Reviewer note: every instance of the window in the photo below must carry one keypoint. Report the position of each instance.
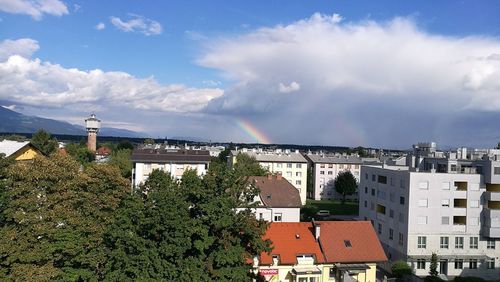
(474, 242)
(298, 182)
(445, 220)
(322, 165)
(298, 165)
(261, 216)
(459, 242)
(391, 213)
(423, 185)
(391, 197)
(490, 244)
(459, 263)
(445, 203)
(420, 263)
(298, 174)
(366, 175)
(366, 190)
(322, 172)
(453, 167)
(330, 172)
(496, 170)
(289, 165)
(401, 218)
(330, 165)
(373, 177)
(277, 217)
(382, 179)
(443, 243)
(401, 239)
(391, 234)
(289, 174)
(366, 204)
(422, 220)
(372, 206)
(490, 263)
(474, 204)
(379, 228)
(373, 192)
(422, 242)
(473, 264)
(278, 165)
(402, 200)
(347, 244)
(422, 203)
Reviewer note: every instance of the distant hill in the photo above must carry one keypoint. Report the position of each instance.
(14, 122)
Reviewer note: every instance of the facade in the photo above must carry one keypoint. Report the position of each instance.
(173, 161)
(18, 151)
(320, 252)
(443, 203)
(290, 164)
(325, 168)
(278, 200)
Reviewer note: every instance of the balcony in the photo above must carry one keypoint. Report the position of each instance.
(459, 211)
(491, 223)
(460, 203)
(492, 195)
(459, 223)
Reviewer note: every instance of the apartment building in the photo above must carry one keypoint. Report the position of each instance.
(169, 159)
(290, 164)
(447, 203)
(324, 170)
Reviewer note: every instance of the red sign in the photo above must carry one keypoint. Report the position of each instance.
(268, 271)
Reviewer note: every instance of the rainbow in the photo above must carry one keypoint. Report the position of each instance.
(253, 132)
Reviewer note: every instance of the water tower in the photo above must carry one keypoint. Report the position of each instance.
(92, 124)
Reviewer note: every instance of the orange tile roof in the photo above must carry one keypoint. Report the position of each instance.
(286, 244)
(365, 246)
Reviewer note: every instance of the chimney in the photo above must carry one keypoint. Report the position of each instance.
(317, 230)
(269, 176)
(278, 176)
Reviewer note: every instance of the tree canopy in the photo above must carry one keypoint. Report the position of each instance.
(345, 184)
(44, 142)
(248, 166)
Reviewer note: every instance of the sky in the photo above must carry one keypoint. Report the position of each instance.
(348, 73)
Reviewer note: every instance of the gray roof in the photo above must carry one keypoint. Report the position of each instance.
(170, 156)
(8, 147)
(274, 157)
(326, 159)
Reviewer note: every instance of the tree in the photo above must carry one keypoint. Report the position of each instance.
(44, 142)
(121, 159)
(57, 215)
(400, 269)
(345, 184)
(149, 141)
(248, 166)
(434, 263)
(80, 153)
(124, 145)
(4, 166)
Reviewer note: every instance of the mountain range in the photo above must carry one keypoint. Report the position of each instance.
(14, 122)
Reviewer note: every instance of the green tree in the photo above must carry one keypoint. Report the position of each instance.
(434, 264)
(248, 166)
(13, 137)
(400, 269)
(4, 166)
(80, 153)
(149, 141)
(57, 215)
(121, 159)
(44, 142)
(345, 184)
(125, 144)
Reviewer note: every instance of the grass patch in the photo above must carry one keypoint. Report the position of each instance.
(334, 206)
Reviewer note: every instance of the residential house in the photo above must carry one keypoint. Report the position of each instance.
(19, 151)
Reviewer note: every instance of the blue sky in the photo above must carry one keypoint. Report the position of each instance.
(196, 68)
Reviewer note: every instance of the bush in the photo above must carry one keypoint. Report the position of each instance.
(433, 279)
(469, 279)
(400, 269)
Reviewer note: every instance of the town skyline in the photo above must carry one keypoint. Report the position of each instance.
(306, 73)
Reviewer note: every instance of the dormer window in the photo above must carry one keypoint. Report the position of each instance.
(347, 243)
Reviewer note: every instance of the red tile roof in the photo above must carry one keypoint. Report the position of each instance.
(287, 245)
(276, 192)
(365, 246)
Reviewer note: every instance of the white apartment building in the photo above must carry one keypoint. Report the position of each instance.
(453, 211)
(325, 169)
(290, 164)
(169, 159)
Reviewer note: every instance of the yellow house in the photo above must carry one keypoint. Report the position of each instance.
(327, 251)
(19, 151)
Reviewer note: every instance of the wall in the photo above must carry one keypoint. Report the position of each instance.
(26, 153)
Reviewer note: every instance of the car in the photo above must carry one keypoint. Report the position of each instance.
(323, 213)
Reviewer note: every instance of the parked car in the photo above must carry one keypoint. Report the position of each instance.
(323, 213)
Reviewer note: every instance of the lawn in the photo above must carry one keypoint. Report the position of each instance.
(334, 206)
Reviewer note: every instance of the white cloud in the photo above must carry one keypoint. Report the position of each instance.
(34, 8)
(138, 23)
(11, 107)
(369, 75)
(100, 26)
(294, 86)
(24, 47)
